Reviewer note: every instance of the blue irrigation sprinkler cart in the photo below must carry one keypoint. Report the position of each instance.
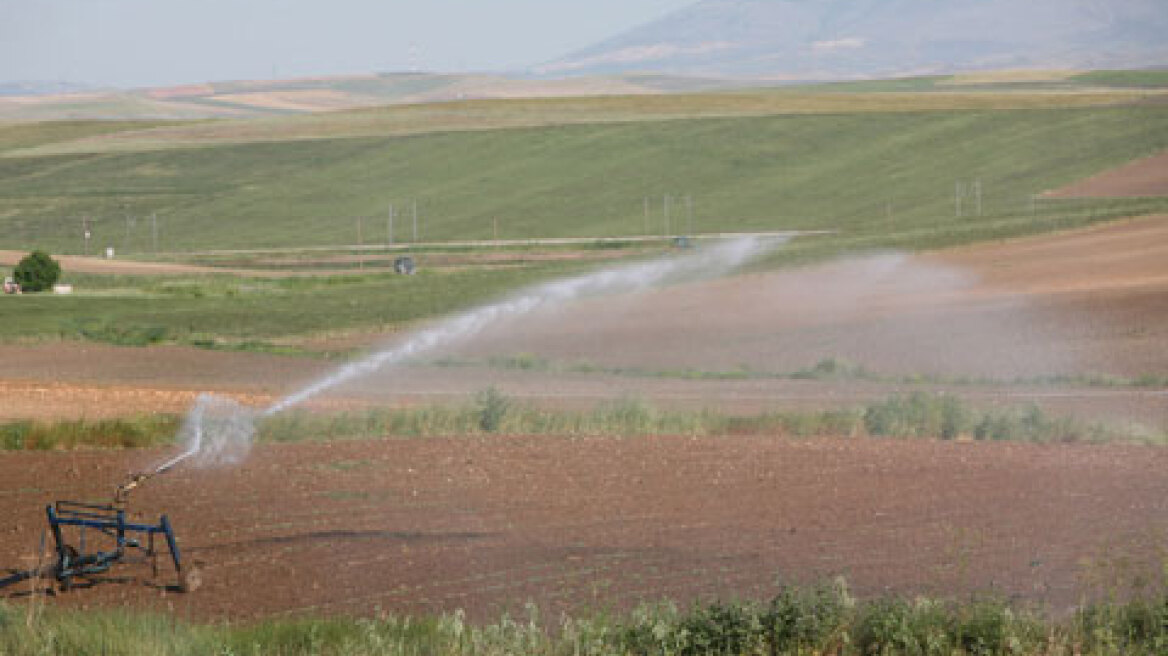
(103, 537)
(108, 524)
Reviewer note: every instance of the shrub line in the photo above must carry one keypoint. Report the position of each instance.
(917, 416)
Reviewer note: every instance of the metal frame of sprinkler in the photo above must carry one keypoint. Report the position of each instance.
(131, 541)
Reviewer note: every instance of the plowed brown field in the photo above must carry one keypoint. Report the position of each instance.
(487, 524)
(589, 524)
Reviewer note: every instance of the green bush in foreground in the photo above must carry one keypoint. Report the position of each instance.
(822, 619)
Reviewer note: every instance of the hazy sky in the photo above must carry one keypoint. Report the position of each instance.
(157, 42)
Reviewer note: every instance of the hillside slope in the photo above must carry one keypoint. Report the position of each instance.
(888, 178)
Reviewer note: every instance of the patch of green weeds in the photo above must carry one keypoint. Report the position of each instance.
(821, 619)
(144, 431)
(829, 369)
(116, 333)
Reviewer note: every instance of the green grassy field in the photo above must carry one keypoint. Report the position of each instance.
(884, 177)
(254, 314)
(1148, 79)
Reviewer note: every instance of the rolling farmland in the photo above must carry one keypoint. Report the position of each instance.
(958, 390)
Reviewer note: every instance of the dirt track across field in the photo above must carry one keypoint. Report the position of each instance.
(583, 525)
(83, 264)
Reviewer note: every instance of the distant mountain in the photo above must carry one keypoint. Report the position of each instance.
(840, 39)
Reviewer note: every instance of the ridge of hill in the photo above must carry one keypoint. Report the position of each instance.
(849, 39)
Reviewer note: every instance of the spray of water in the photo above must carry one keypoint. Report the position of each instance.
(220, 431)
(217, 431)
(709, 262)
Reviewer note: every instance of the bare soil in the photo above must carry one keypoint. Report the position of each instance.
(1141, 178)
(582, 525)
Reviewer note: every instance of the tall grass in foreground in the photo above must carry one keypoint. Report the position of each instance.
(822, 619)
(917, 415)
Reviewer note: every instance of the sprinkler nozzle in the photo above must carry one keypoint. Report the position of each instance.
(123, 492)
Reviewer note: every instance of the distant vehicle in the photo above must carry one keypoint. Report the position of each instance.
(404, 265)
(11, 286)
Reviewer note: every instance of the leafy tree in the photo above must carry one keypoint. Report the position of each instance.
(36, 272)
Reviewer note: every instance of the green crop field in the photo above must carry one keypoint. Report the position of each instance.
(888, 177)
(253, 314)
(1150, 78)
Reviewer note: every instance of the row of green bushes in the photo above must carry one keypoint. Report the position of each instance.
(821, 619)
(830, 369)
(917, 415)
(948, 417)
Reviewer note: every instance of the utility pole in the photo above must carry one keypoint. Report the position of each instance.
(689, 214)
(665, 209)
(154, 230)
(126, 239)
(415, 220)
(389, 227)
(977, 192)
(360, 244)
(957, 198)
(646, 232)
